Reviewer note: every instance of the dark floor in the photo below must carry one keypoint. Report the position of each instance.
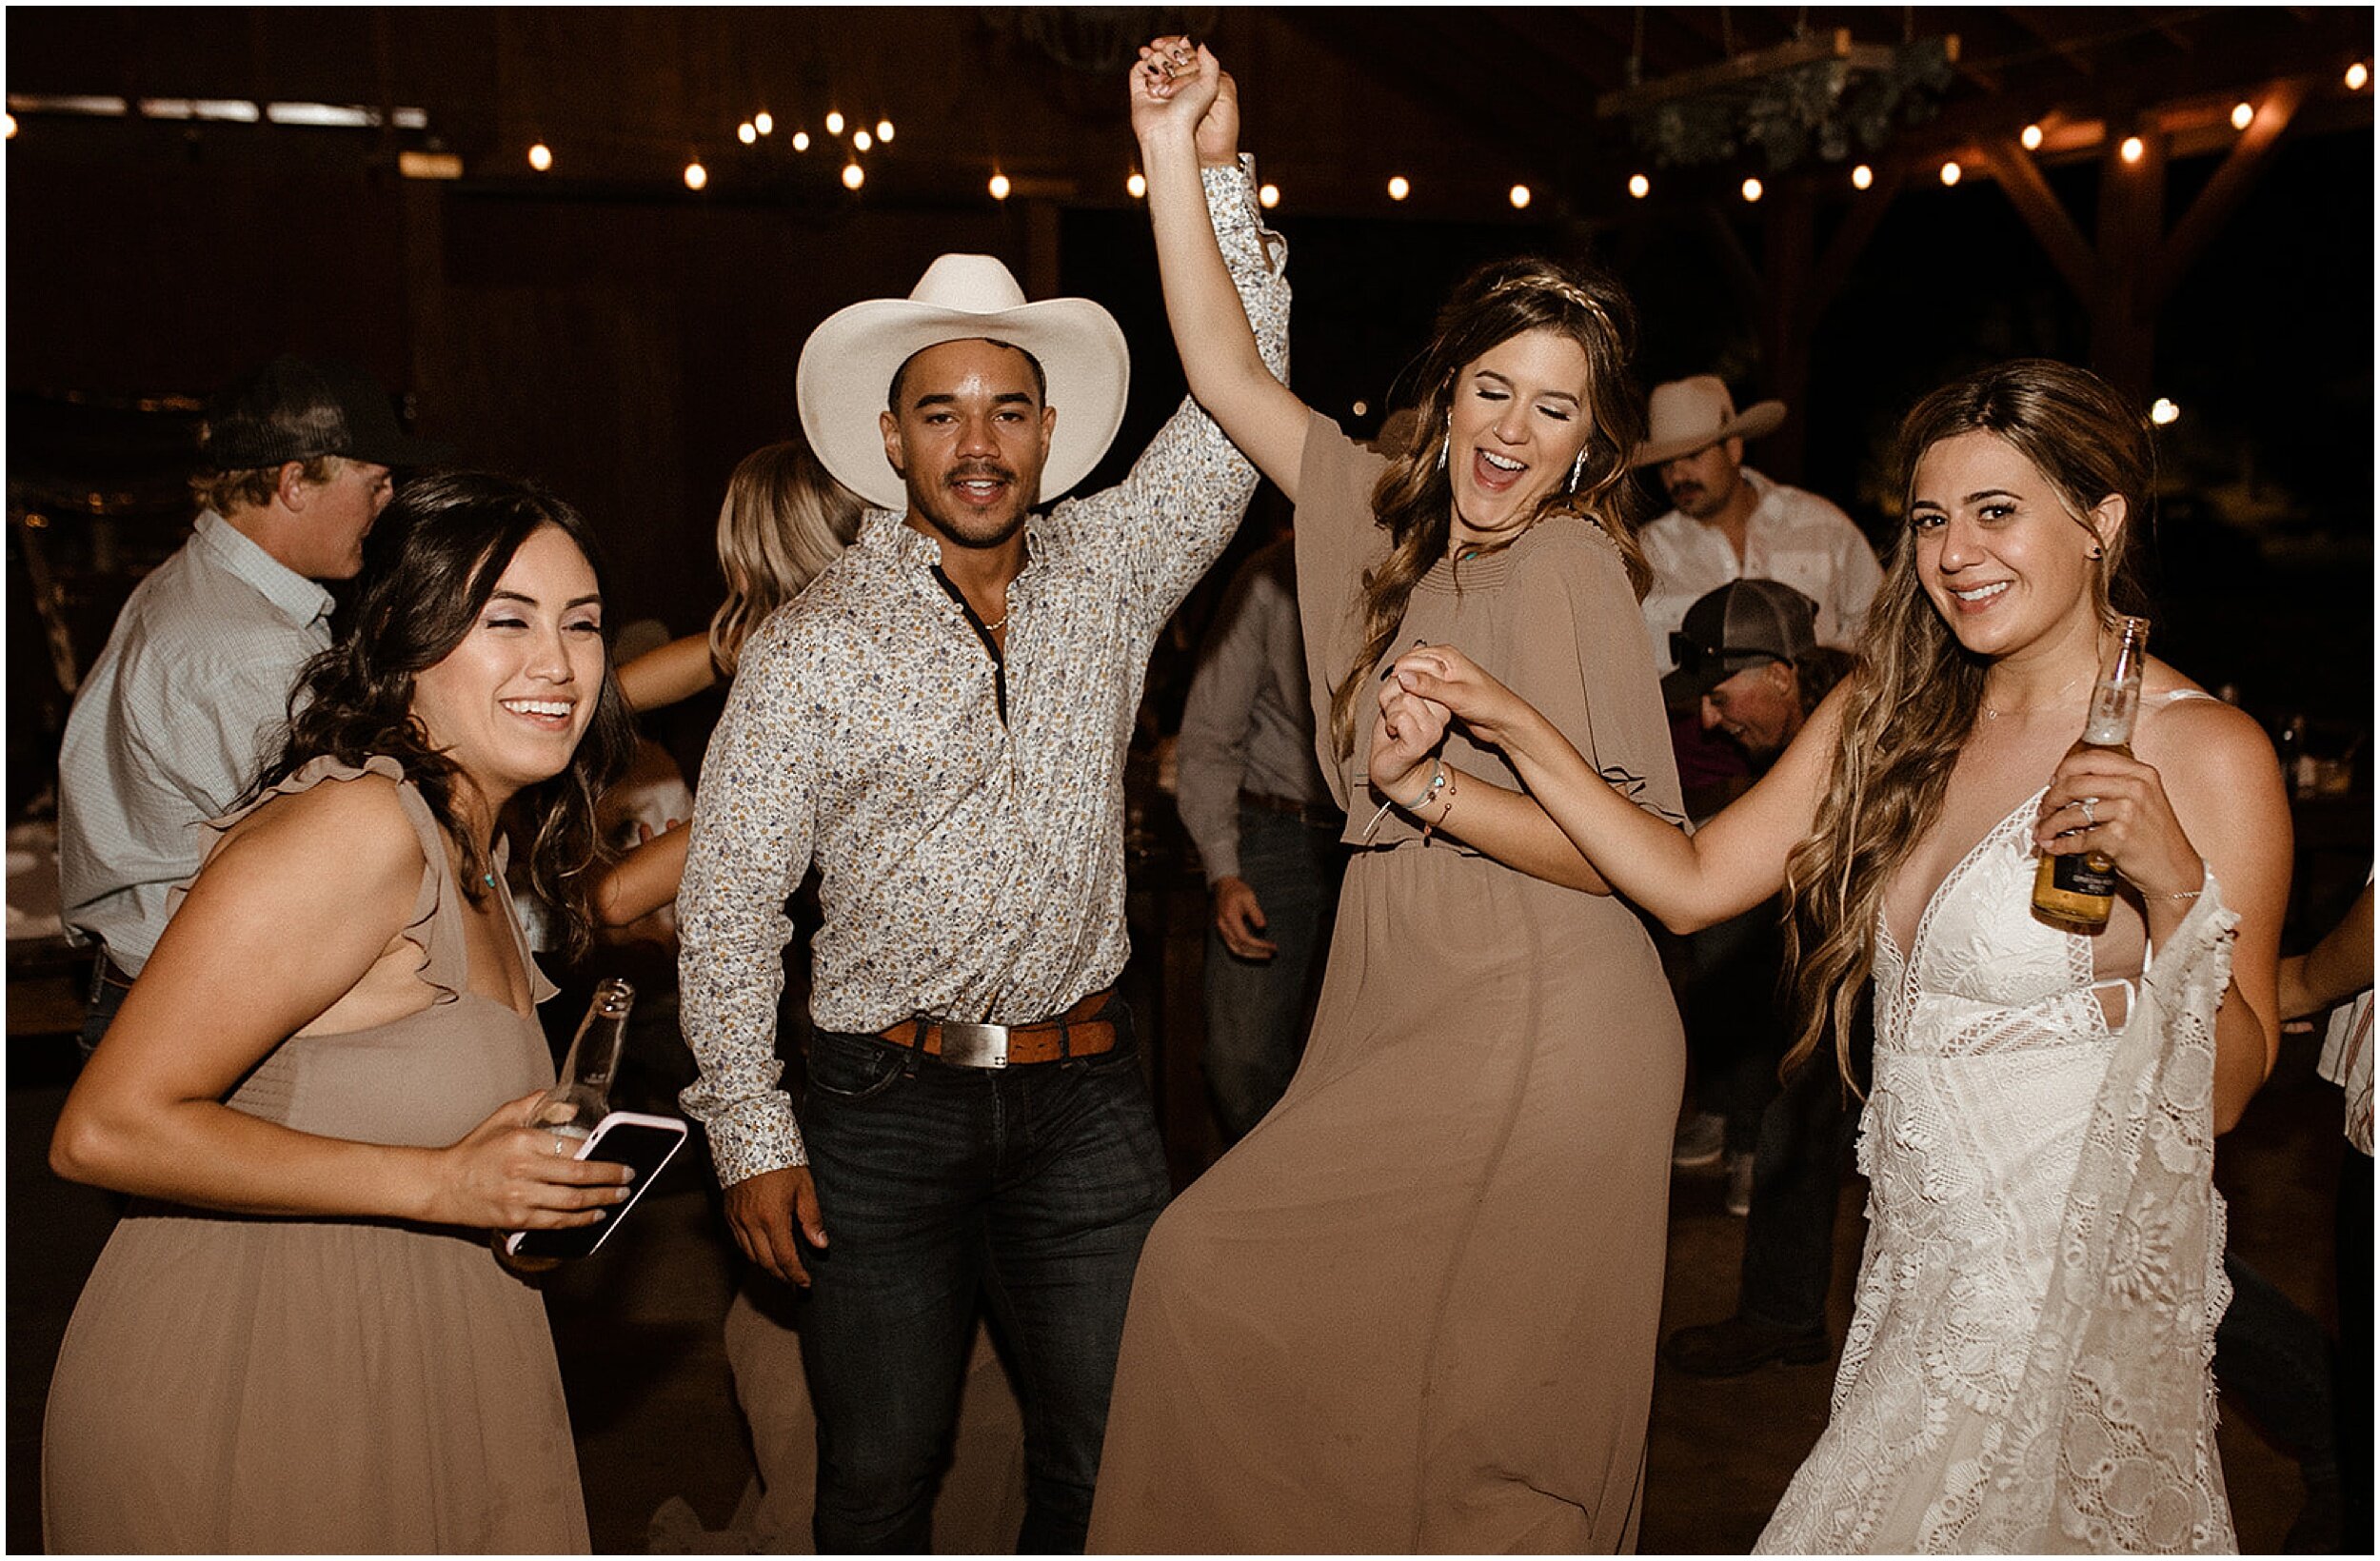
(638, 1327)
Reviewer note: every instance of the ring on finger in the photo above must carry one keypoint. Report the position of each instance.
(2091, 820)
(558, 1146)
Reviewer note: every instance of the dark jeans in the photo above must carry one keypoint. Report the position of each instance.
(1254, 1006)
(1031, 1186)
(2273, 1361)
(2354, 1398)
(1735, 1025)
(100, 1004)
(1797, 1183)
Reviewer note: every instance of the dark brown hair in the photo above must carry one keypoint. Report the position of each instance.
(448, 541)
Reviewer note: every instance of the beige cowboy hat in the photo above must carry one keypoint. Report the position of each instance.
(847, 367)
(1692, 414)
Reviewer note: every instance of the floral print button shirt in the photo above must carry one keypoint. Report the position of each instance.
(969, 867)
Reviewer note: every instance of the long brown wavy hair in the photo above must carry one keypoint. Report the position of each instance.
(1414, 500)
(1914, 699)
(784, 520)
(442, 545)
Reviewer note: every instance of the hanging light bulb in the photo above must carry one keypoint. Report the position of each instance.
(1950, 171)
(1862, 176)
(802, 141)
(885, 130)
(2133, 149)
(11, 122)
(541, 156)
(863, 140)
(2031, 138)
(1399, 189)
(2242, 117)
(1519, 195)
(1752, 190)
(696, 176)
(853, 176)
(2162, 413)
(2356, 76)
(1135, 185)
(1268, 197)
(1000, 187)
(762, 123)
(834, 123)
(1639, 186)
(745, 133)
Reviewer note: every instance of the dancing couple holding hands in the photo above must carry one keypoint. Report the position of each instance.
(1414, 1308)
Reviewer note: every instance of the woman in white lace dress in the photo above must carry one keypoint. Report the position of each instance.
(2027, 1368)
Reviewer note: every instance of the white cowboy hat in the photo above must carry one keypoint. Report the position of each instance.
(847, 366)
(1693, 414)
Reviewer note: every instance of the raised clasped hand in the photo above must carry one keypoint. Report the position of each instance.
(2100, 800)
(1177, 80)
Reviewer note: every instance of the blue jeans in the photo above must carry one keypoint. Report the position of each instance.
(100, 1004)
(1254, 1006)
(1031, 1187)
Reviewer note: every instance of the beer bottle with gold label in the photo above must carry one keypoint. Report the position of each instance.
(2077, 892)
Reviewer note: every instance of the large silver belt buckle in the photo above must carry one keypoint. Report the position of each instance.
(975, 1046)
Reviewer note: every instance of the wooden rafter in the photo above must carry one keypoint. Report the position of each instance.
(2230, 186)
(2038, 206)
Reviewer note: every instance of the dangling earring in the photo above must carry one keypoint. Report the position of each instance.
(1577, 468)
(1447, 443)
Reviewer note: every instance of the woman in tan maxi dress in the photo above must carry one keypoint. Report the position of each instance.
(319, 1093)
(1415, 1310)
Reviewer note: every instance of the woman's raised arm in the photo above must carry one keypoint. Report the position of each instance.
(1725, 868)
(1185, 113)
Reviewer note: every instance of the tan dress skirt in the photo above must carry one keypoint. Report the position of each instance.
(1415, 1309)
(234, 1384)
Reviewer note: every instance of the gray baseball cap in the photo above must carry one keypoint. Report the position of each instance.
(1742, 624)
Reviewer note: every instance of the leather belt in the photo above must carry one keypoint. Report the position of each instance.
(1077, 1031)
(1317, 814)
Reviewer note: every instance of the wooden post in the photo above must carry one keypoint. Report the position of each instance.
(2132, 232)
(1789, 314)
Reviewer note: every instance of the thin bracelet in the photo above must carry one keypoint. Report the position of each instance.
(2186, 894)
(1429, 793)
(1427, 830)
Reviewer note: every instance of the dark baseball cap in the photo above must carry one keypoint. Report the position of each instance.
(1742, 624)
(296, 408)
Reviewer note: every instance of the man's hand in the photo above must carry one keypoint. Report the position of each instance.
(1239, 918)
(762, 1210)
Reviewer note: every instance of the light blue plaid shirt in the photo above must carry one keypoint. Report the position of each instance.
(172, 725)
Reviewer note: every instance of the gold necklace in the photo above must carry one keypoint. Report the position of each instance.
(1989, 714)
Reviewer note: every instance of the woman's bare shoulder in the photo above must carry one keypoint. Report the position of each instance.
(345, 836)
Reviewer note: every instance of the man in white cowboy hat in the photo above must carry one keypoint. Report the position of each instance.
(937, 724)
(1733, 523)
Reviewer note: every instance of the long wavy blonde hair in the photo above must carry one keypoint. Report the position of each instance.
(1914, 699)
(1414, 500)
(784, 520)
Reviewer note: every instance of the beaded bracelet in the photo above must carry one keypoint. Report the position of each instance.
(1429, 793)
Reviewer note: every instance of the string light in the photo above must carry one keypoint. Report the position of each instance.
(1135, 185)
(541, 156)
(863, 140)
(1639, 186)
(853, 176)
(2356, 76)
(1862, 176)
(885, 130)
(762, 123)
(834, 123)
(745, 133)
(802, 141)
(11, 125)
(1520, 197)
(1951, 170)
(696, 176)
(2162, 413)
(2133, 149)
(1360, 408)
(1268, 197)
(2242, 117)
(1399, 189)
(1752, 190)
(2031, 137)
(1000, 187)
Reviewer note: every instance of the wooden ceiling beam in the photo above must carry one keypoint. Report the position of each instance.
(2230, 186)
